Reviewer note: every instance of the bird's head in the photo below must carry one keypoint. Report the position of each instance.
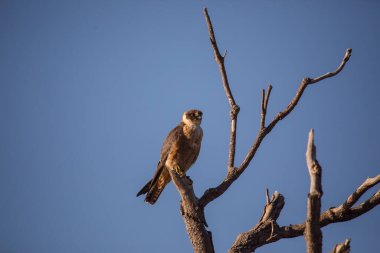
(192, 117)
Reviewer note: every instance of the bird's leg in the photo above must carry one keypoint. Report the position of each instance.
(178, 170)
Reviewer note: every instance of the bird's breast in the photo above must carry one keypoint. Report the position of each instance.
(192, 134)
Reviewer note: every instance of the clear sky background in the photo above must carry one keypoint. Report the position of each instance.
(89, 90)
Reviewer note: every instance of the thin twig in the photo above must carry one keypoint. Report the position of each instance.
(263, 112)
(225, 54)
(341, 66)
(264, 106)
(219, 59)
(234, 108)
(267, 96)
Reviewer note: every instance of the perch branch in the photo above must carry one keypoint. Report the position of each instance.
(193, 215)
(313, 233)
(234, 108)
(254, 238)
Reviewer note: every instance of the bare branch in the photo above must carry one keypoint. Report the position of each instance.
(262, 235)
(265, 228)
(225, 54)
(263, 112)
(311, 152)
(193, 215)
(343, 247)
(354, 197)
(268, 220)
(338, 214)
(273, 208)
(217, 191)
(267, 196)
(264, 106)
(234, 108)
(219, 59)
(267, 97)
(305, 82)
(313, 234)
(341, 66)
(233, 174)
(314, 168)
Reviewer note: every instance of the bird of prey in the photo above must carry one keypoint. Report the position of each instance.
(179, 151)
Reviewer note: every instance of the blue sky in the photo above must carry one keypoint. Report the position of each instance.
(89, 90)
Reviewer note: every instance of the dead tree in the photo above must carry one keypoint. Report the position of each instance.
(267, 230)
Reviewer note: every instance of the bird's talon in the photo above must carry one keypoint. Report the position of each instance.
(179, 171)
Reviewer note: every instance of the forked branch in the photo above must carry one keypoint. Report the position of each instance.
(234, 173)
(265, 228)
(263, 234)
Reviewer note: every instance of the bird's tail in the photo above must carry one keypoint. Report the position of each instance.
(154, 193)
(155, 186)
(145, 189)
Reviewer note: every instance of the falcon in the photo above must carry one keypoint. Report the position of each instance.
(179, 151)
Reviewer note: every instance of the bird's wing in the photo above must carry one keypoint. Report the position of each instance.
(172, 137)
(159, 169)
(148, 186)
